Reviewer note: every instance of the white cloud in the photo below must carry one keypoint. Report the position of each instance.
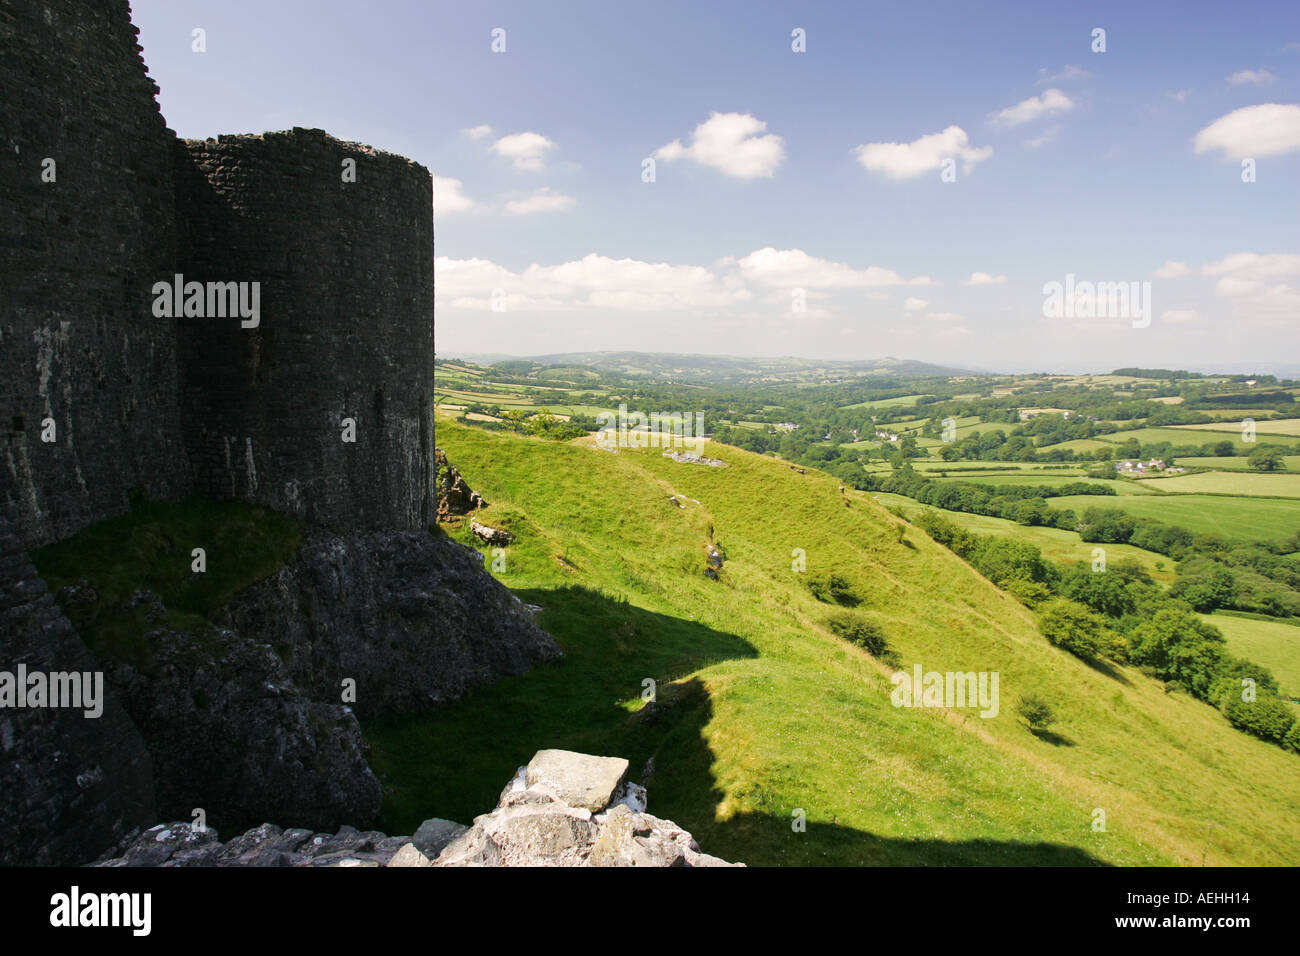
(1255, 284)
(542, 200)
(448, 197)
(1048, 103)
(1181, 317)
(1269, 129)
(1254, 266)
(908, 160)
(1071, 72)
(1258, 77)
(983, 278)
(731, 144)
(1049, 134)
(795, 269)
(526, 150)
(593, 282)
(1179, 95)
(1172, 270)
(477, 132)
(943, 316)
(915, 305)
(725, 289)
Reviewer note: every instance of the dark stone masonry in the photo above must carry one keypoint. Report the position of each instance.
(342, 255)
(79, 343)
(345, 328)
(318, 403)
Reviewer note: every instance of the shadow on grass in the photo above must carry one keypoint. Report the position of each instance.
(1050, 737)
(453, 761)
(1106, 669)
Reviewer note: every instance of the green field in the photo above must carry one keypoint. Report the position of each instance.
(1234, 463)
(1082, 444)
(1179, 435)
(887, 402)
(1274, 644)
(763, 712)
(1121, 487)
(1230, 483)
(1286, 427)
(1237, 519)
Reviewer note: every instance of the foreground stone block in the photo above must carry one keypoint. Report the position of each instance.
(580, 780)
(531, 826)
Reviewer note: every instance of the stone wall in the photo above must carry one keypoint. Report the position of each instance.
(78, 256)
(345, 272)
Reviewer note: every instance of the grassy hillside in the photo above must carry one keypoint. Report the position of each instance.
(762, 712)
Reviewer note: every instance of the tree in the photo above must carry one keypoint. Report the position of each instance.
(1267, 458)
(1178, 645)
(1037, 712)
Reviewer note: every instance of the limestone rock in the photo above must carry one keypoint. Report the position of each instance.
(497, 536)
(580, 780)
(532, 825)
(409, 856)
(455, 496)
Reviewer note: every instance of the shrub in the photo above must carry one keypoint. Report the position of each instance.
(1037, 712)
(1267, 717)
(833, 589)
(1075, 628)
(856, 629)
(1028, 593)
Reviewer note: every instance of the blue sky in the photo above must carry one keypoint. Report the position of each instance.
(780, 221)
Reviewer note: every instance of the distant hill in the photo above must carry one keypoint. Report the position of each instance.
(727, 368)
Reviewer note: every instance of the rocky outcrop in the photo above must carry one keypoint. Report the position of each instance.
(67, 780)
(455, 496)
(182, 844)
(494, 536)
(230, 732)
(412, 619)
(534, 824)
(690, 458)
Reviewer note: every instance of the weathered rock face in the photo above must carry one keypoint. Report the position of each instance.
(532, 825)
(67, 781)
(412, 618)
(455, 496)
(230, 732)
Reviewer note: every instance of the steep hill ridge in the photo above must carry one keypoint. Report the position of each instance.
(793, 718)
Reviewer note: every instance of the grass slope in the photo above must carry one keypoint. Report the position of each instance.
(763, 713)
